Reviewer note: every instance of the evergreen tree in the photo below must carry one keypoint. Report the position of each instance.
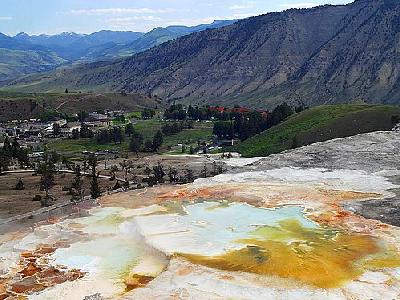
(158, 140)
(148, 146)
(148, 113)
(126, 185)
(85, 131)
(204, 172)
(15, 148)
(136, 143)
(4, 161)
(75, 134)
(189, 175)
(103, 137)
(20, 185)
(129, 129)
(113, 171)
(77, 185)
(126, 166)
(23, 158)
(173, 175)
(159, 173)
(47, 170)
(56, 129)
(82, 116)
(147, 171)
(7, 148)
(116, 134)
(94, 184)
(191, 150)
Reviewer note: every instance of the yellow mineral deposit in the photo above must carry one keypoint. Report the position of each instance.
(279, 226)
(323, 258)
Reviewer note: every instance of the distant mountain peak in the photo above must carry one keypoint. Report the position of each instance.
(22, 34)
(72, 47)
(3, 35)
(66, 33)
(322, 55)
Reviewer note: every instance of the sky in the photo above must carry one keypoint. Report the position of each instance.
(87, 16)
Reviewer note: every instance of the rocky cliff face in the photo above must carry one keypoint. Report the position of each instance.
(321, 55)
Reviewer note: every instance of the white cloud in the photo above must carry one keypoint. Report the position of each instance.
(135, 18)
(119, 11)
(127, 23)
(243, 5)
(6, 18)
(299, 5)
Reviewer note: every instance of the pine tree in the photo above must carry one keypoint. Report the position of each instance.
(172, 174)
(94, 184)
(7, 148)
(204, 171)
(148, 146)
(4, 161)
(117, 135)
(136, 143)
(23, 158)
(159, 173)
(82, 116)
(77, 185)
(189, 175)
(158, 140)
(126, 166)
(20, 185)
(15, 148)
(129, 130)
(113, 171)
(56, 129)
(47, 170)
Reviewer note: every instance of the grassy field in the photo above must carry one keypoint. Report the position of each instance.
(201, 131)
(320, 124)
(74, 148)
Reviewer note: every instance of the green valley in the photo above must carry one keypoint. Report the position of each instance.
(319, 124)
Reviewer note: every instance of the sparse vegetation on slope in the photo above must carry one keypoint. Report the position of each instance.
(26, 106)
(324, 55)
(320, 124)
(16, 63)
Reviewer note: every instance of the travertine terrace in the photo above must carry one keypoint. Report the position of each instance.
(316, 222)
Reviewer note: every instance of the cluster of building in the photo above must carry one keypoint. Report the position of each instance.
(34, 132)
(240, 110)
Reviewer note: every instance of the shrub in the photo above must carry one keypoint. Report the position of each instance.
(37, 198)
(20, 186)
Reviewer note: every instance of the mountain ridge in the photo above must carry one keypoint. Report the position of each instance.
(326, 54)
(71, 48)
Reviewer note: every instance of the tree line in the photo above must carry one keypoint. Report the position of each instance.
(171, 128)
(11, 151)
(246, 125)
(118, 134)
(47, 170)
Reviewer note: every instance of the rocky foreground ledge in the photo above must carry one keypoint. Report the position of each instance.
(372, 153)
(318, 222)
